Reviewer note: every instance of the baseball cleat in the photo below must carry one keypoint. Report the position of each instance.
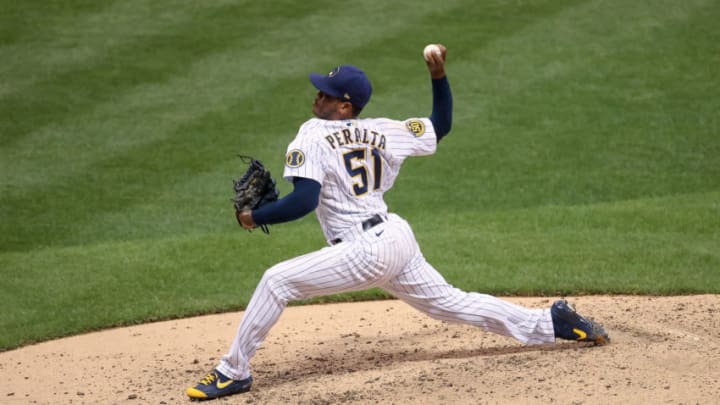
(216, 385)
(570, 325)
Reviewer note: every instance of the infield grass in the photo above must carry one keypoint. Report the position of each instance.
(584, 157)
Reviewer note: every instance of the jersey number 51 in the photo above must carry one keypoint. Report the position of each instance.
(356, 164)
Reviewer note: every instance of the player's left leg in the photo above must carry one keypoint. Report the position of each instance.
(424, 288)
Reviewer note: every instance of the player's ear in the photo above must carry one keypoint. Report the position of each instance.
(346, 109)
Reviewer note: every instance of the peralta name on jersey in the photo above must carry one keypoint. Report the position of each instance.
(362, 136)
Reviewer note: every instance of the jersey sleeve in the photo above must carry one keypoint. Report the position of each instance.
(411, 137)
(422, 133)
(305, 157)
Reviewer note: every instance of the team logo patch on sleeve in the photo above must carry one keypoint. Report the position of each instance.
(295, 158)
(417, 127)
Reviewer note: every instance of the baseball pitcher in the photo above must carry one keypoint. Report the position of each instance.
(340, 166)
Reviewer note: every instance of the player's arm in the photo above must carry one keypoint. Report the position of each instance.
(300, 202)
(441, 116)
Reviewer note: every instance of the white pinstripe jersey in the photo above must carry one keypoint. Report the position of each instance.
(355, 161)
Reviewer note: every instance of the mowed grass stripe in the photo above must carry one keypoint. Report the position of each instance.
(469, 31)
(665, 245)
(592, 39)
(576, 126)
(123, 46)
(65, 290)
(39, 43)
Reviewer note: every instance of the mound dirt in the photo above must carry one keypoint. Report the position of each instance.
(663, 350)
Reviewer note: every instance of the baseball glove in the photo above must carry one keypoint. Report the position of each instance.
(254, 189)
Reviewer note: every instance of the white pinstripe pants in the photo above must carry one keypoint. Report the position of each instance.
(385, 256)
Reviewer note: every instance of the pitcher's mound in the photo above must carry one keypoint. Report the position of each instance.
(663, 350)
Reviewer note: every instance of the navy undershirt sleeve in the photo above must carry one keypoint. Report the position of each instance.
(441, 116)
(300, 202)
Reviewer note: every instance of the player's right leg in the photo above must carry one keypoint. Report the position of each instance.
(424, 288)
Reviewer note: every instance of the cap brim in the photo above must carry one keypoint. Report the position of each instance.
(321, 83)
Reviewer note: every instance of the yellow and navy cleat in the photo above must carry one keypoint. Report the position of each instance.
(216, 385)
(570, 325)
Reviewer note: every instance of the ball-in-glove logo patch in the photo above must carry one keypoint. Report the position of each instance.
(295, 158)
(416, 127)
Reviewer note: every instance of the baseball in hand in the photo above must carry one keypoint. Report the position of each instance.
(430, 50)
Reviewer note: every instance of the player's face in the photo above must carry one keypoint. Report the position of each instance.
(331, 108)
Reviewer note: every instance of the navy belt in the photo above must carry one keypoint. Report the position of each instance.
(366, 224)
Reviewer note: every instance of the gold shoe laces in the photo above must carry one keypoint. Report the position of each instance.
(208, 380)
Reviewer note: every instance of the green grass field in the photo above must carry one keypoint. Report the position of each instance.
(584, 157)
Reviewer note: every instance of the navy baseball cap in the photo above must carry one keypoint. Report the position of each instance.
(345, 82)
